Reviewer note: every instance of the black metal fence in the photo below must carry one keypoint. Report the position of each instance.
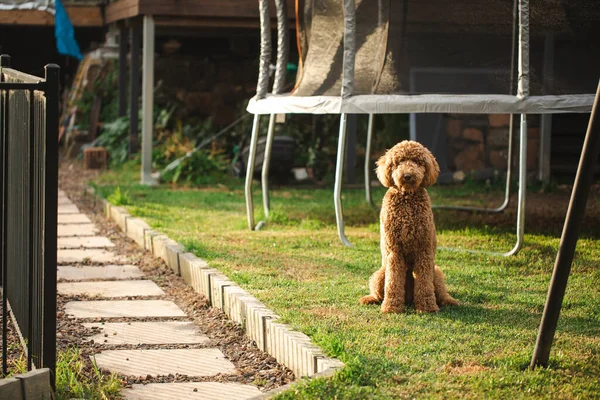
(28, 221)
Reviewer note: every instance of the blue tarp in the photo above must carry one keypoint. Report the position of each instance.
(65, 35)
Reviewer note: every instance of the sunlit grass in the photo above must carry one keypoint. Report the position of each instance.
(482, 348)
(73, 380)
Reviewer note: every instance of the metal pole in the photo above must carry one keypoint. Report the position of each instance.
(148, 101)
(368, 161)
(262, 88)
(265, 49)
(339, 170)
(347, 89)
(522, 92)
(522, 188)
(134, 87)
(4, 59)
(266, 163)
(351, 148)
(282, 46)
(31, 260)
(278, 87)
(349, 48)
(250, 171)
(122, 71)
(50, 219)
(523, 79)
(568, 240)
(4, 63)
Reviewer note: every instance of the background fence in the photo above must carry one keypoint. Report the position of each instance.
(29, 191)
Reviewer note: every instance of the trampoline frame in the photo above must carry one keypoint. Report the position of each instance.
(346, 103)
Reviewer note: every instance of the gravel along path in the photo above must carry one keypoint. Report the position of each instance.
(137, 318)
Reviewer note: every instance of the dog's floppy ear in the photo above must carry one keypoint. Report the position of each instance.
(383, 171)
(432, 169)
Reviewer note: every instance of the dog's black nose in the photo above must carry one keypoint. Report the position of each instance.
(407, 177)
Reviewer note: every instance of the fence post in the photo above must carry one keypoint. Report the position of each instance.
(4, 62)
(51, 217)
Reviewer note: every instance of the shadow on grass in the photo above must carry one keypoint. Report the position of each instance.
(515, 317)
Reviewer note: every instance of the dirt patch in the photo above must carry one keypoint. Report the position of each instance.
(461, 368)
(544, 213)
(330, 312)
(254, 366)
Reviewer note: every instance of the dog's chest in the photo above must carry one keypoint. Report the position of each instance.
(407, 218)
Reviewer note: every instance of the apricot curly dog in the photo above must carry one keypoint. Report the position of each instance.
(408, 240)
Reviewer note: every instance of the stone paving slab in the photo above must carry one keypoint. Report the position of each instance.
(68, 209)
(171, 332)
(191, 362)
(66, 256)
(77, 230)
(191, 391)
(64, 201)
(81, 273)
(73, 219)
(88, 242)
(123, 308)
(110, 289)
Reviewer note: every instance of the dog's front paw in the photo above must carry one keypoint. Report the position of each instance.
(448, 301)
(429, 308)
(392, 308)
(369, 300)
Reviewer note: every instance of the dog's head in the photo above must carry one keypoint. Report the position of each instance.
(407, 166)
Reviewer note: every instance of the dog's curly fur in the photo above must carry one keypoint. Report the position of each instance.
(408, 242)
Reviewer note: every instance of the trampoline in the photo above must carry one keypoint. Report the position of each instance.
(516, 57)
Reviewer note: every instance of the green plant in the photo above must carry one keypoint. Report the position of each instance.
(119, 198)
(76, 380)
(200, 168)
(114, 138)
(172, 144)
(16, 365)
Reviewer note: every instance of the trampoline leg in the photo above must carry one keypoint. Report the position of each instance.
(503, 206)
(250, 171)
(266, 163)
(368, 162)
(337, 191)
(521, 200)
(522, 187)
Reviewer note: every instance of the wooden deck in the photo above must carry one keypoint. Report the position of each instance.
(192, 13)
(81, 16)
(174, 13)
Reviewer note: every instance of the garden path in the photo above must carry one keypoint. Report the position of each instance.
(143, 333)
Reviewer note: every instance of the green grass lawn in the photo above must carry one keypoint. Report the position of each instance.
(482, 348)
(76, 380)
